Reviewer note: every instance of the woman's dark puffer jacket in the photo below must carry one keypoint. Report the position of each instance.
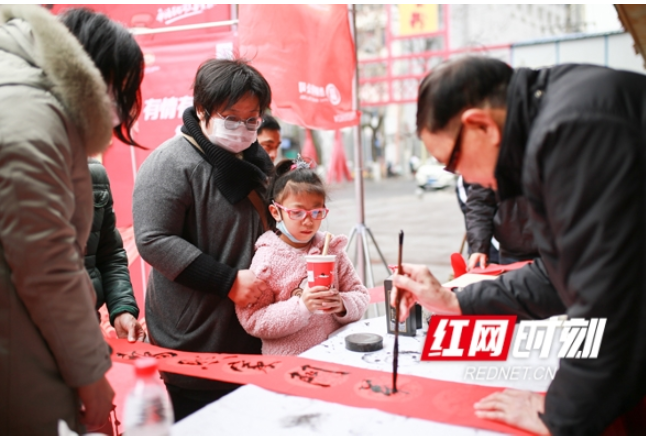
(105, 259)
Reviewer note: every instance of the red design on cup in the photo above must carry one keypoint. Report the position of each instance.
(320, 270)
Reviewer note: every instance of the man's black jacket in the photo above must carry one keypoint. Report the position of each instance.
(574, 143)
(105, 259)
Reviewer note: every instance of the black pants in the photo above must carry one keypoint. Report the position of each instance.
(186, 402)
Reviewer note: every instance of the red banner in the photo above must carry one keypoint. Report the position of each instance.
(306, 53)
(156, 16)
(172, 60)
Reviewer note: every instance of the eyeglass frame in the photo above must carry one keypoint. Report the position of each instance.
(307, 211)
(237, 121)
(452, 163)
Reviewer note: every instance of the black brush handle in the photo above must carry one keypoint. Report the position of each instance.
(397, 301)
(396, 347)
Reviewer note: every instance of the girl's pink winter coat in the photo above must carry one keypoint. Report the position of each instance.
(280, 317)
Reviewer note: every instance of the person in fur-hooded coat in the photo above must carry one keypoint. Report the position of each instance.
(55, 112)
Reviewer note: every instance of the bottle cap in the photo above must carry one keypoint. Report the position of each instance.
(145, 367)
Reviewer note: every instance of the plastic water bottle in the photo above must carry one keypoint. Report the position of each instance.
(147, 409)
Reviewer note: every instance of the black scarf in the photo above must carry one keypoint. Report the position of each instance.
(234, 178)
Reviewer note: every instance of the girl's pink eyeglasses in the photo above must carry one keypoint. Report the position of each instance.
(300, 214)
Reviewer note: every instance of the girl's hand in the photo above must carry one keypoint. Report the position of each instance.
(315, 297)
(334, 303)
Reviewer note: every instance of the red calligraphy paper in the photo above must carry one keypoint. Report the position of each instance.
(419, 397)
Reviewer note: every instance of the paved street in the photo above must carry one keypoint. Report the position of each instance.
(432, 223)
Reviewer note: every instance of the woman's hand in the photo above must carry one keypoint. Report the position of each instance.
(515, 408)
(477, 258)
(417, 284)
(246, 288)
(97, 402)
(127, 326)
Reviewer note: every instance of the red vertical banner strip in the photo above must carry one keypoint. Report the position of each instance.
(309, 63)
(338, 169)
(309, 150)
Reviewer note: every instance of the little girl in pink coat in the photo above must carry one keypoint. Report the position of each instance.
(290, 317)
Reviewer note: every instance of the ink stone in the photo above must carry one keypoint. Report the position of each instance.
(364, 342)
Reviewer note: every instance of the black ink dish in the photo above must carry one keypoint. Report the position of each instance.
(364, 342)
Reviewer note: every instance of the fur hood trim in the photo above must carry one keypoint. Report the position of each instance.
(77, 83)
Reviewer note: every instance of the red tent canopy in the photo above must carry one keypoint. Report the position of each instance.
(306, 52)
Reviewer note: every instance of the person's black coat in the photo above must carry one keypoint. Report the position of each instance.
(105, 258)
(506, 221)
(574, 143)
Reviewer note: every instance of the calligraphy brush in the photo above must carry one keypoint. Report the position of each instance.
(397, 300)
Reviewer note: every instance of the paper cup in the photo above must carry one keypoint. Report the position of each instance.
(320, 270)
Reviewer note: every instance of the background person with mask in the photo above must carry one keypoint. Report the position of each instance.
(196, 225)
(269, 136)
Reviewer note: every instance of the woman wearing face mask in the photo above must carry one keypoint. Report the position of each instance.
(196, 224)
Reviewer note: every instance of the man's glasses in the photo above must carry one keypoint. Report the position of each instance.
(232, 122)
(300, 214)
(455, 153)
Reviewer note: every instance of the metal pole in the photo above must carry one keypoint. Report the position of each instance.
(363, 264)
(358, 160)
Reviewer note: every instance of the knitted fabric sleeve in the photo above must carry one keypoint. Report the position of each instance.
(206, 274)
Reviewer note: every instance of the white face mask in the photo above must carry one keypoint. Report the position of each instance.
(234, 141)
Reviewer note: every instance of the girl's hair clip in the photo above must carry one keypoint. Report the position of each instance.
(302, 163)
